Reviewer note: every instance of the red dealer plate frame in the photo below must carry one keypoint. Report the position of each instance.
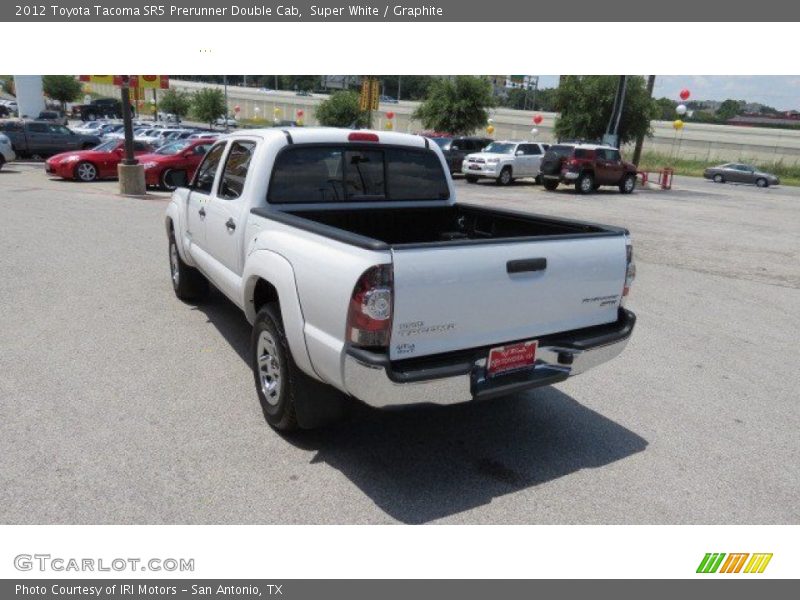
(511, 357)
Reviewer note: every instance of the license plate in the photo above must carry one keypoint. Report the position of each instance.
(511, 358)
(475, 167)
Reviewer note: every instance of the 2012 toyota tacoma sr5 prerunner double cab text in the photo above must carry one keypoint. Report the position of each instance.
(363, 277)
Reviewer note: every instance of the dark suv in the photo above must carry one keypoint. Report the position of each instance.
(456, 148)
(587, 167)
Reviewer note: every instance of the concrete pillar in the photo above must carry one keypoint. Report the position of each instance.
(131, 180)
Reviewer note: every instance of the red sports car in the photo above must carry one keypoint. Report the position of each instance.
(174, 163)
(98, 163)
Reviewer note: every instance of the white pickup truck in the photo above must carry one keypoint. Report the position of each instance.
(363, 277)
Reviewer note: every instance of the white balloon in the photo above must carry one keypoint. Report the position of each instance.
(534, 131)
(490, 121)
(681, 109)
(257, 109)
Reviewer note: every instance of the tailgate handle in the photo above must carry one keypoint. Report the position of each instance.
(526, 265)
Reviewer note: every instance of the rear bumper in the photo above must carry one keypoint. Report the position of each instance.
(461, 377)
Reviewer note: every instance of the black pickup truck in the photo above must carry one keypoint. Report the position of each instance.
(44, 138)
(99, 108)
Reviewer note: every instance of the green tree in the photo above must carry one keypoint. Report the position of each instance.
(729, 109)
(341, 109)
(208, 105)
(665, 109)
(176, 102)
(456, 105)
(586, 102)
(64, 88)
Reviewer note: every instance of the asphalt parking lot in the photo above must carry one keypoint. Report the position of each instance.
(121, 404)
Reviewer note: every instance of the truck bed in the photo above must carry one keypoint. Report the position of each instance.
(437, 225)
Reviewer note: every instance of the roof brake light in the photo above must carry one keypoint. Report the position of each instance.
(362, 136)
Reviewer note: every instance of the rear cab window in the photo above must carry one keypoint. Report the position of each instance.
(332, 173)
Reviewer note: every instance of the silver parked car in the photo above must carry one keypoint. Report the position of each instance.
(740, 173)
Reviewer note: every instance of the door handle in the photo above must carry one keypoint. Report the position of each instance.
(202, 212)
(230, 224)
(526, 265)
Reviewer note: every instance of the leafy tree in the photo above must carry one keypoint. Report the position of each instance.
(341, 109)
(176, 102)
(64, 88)
(208, 105)
(456, 105)
(586, 103)
(729, 109)
(665, 109)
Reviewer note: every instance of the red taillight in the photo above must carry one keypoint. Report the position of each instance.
(630, 268)
(369, 318)
(363, 136)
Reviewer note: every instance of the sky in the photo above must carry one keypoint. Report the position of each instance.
(779, 91)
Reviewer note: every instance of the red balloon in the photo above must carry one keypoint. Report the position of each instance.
(537, 119)
(237, 108)
(300, 112)
(390, 115)
(685, 94)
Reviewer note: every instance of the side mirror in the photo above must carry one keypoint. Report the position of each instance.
(179, 178)
(187, 153)
(454, 147)
(520, 153)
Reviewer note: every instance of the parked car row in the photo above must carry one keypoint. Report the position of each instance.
(165, 167)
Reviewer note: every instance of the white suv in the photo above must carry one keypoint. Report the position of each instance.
(505, 161)
(6, 150)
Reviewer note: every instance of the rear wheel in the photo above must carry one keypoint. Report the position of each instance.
(85, 171)
(505, 177)
(585, 183)
(538, 180)
(550, 184)
(761, 182)
(187, 283)
(627, 184)
(471, 179)
(719, 178)
(2, 161)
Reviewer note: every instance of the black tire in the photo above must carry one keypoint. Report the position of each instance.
(299, 400)
(187, 283)
(719, 178)
(505, 177)
(471, 179)
(166, 181)
(85, 171)
(2, 161)
(550, 184)
(628, 184)
(761, 182)
(584, 183)
(274, 370)
(538, 180)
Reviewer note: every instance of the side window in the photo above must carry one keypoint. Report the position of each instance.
(613, 155)
(38, 128)
(534, 149)
(201, 149)
(204, 179)
(235, 173)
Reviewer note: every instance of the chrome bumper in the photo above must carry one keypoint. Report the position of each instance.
(373, 380)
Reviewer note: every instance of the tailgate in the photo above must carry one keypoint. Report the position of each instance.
(465, 296)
